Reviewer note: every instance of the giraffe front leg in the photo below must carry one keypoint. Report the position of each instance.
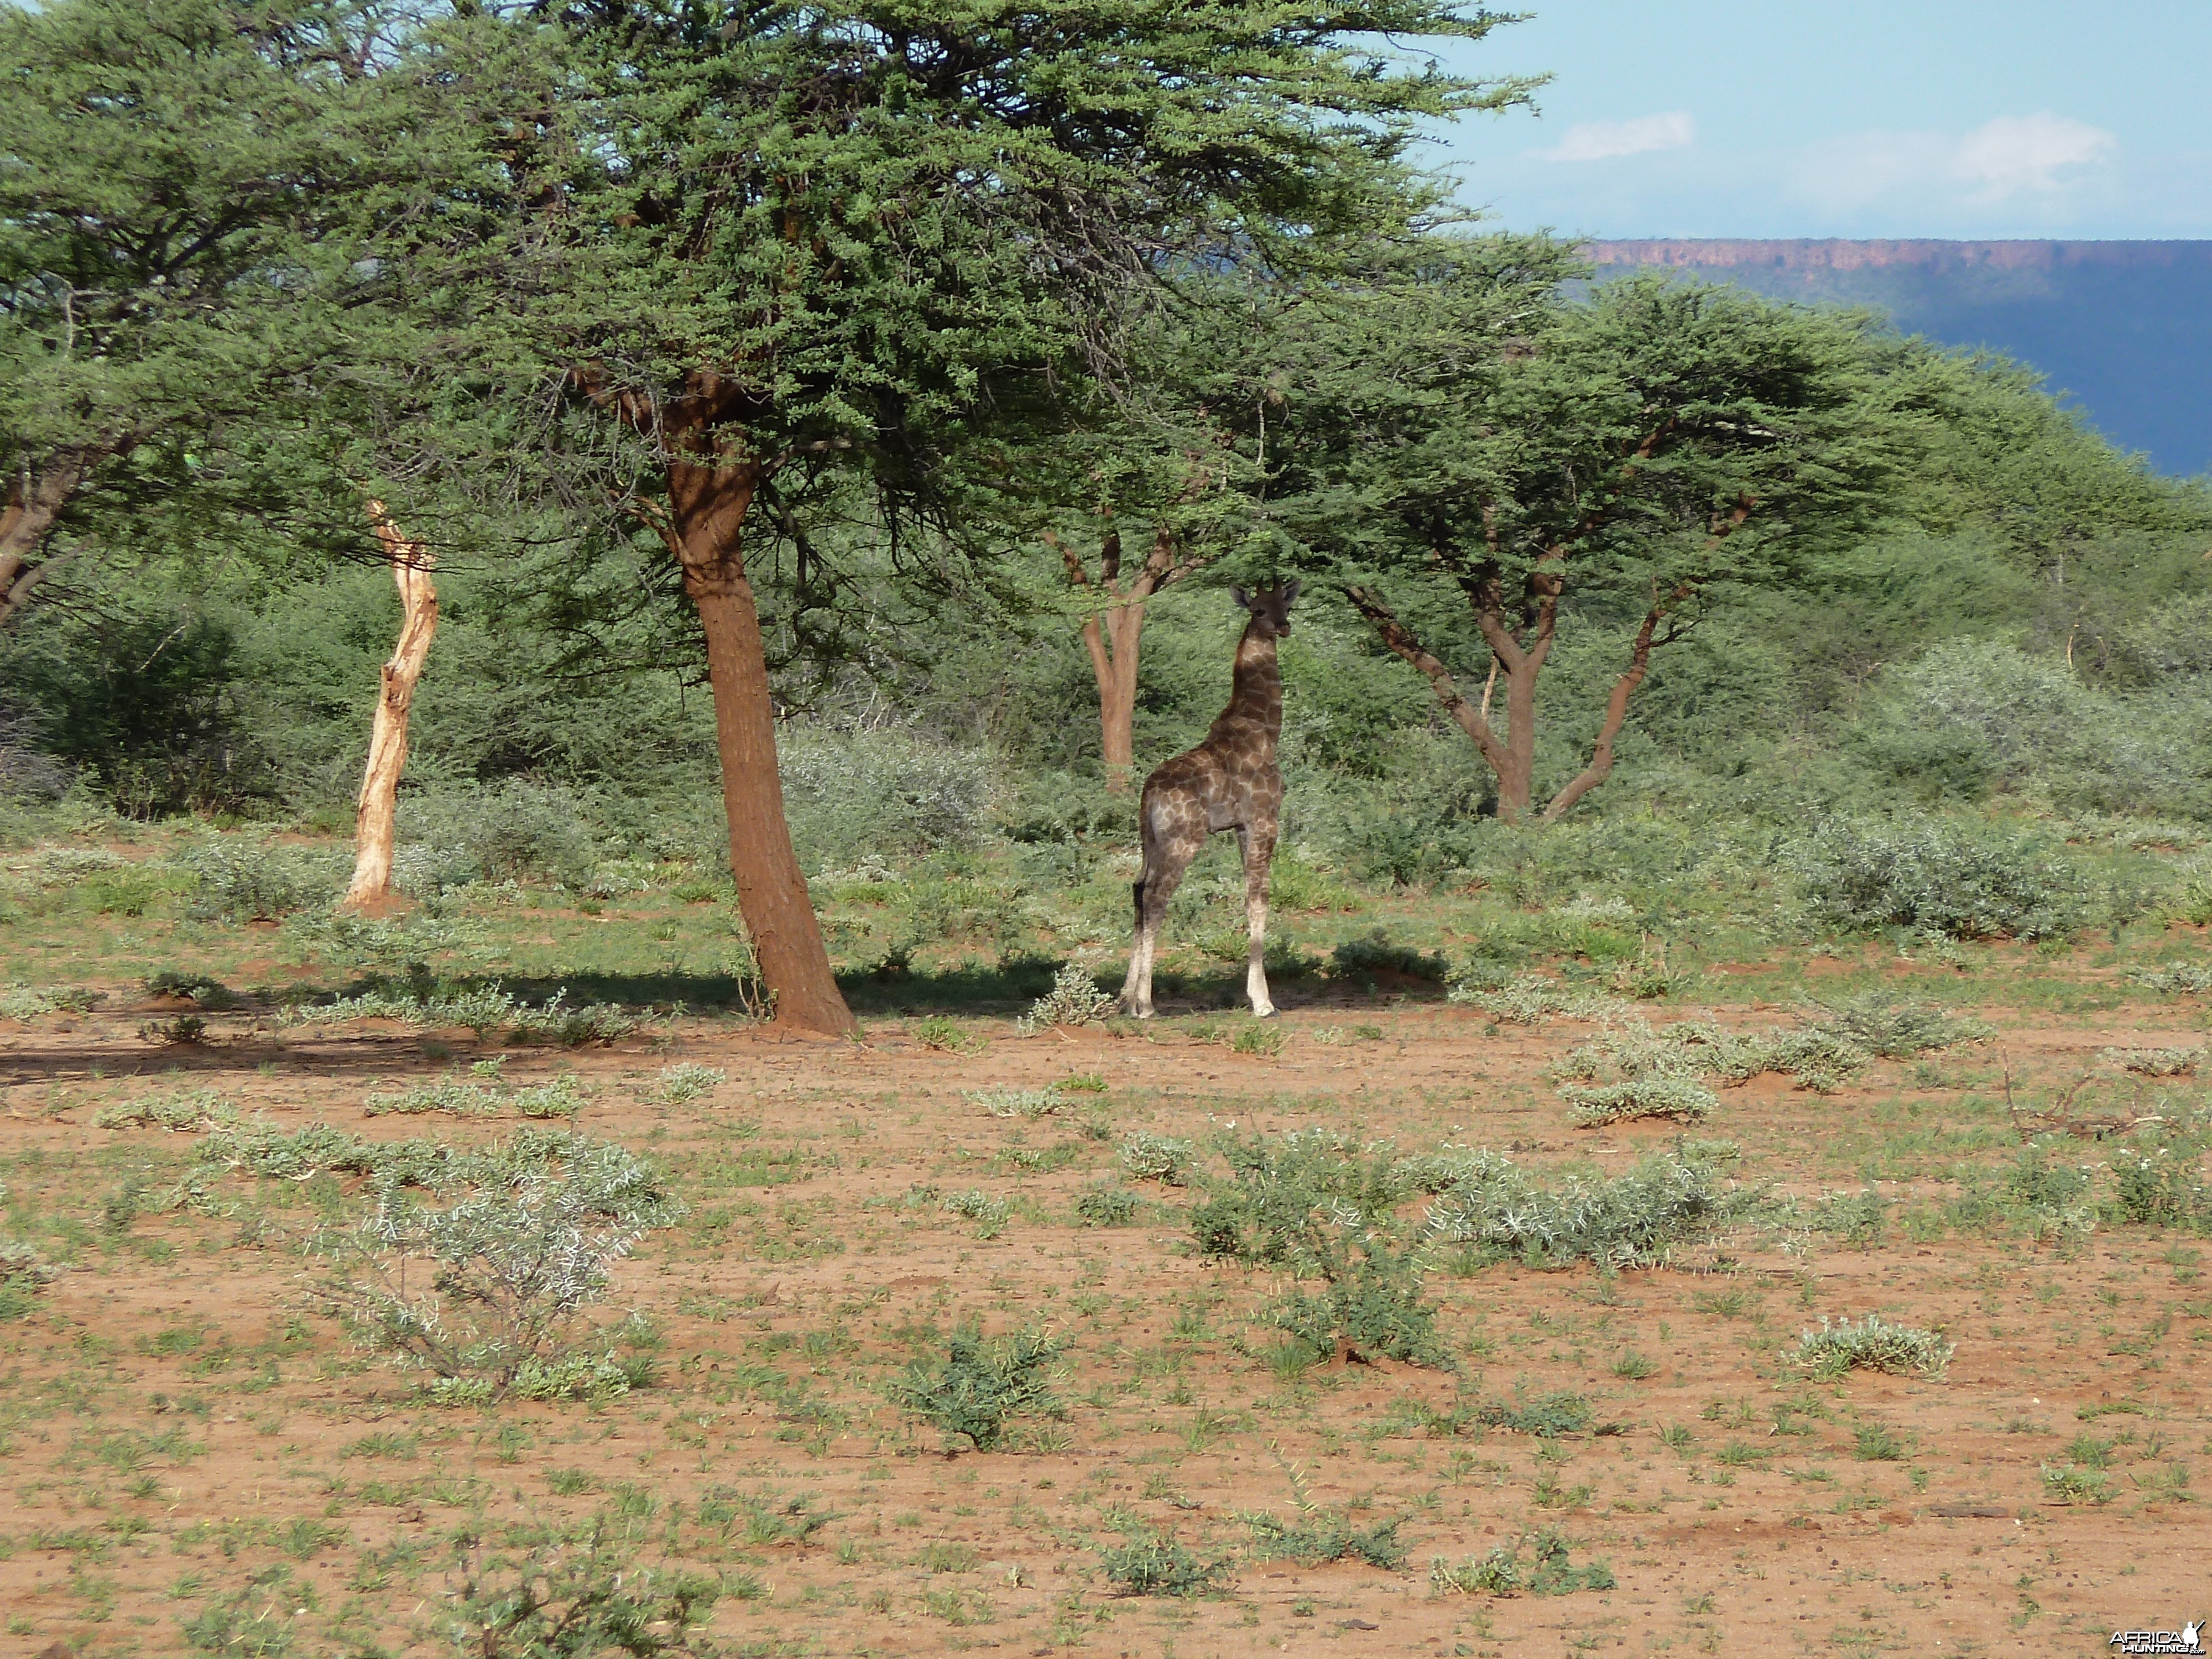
(1259, 854)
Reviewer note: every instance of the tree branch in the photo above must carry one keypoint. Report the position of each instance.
(1400, 640)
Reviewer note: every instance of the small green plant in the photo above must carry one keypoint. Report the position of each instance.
(1151, 1565)
(1019, 1102)
(1873, 1443)
(187, 1112)
(1549, 1571)
(182, 1031)
(988, 1213)
(1872, 1344)
(1597, 1104)
(2154, 1062)
(945, 1033)
(571, 1595)
(1370, 1308)
(2070, 1483)
(1315, 1536)
(23, 1273)
(1074, 999)
(1529, 1000)
(1633, 1367)
(1106, 1206)
(1260, 1038)
(678, 1084)
(1148, 1156)
(983, 1384)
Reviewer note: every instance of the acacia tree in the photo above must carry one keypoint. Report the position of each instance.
(1463, 436)
(754, 236)
(171, 175)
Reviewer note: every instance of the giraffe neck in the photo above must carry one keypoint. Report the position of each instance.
(1255, 715)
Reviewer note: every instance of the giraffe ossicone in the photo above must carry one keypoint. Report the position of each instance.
(1230, 781)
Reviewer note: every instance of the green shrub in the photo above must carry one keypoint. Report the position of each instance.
(1019, 1102)
(486, 1293)
(482, 1009)
(988, 1213)
(23, 1273)
(1596, 1105)
(571, 1594)
(1318, 1536)
(1106, 1206)
(1074, 999)
(1872, 1344)
(23, 1002)
(1149, 1565)
(983, 1384)
(1361, 959)
(186, 1112)
(513, 831)
(2154, 1062)
(945, 1033)
(2069, 1484)
(1149, 1156)
(2157, 1186)
(2174, 978)
(1899, 1028)
(237, 880)
(212, 994)
(1548, 1417)
(1634, 1220)
(1930, 876)
(1370, 1308)
(1529, 1000)
(678, 1084)
(1549, 1572)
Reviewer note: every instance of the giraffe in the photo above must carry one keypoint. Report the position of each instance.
(1230, 781)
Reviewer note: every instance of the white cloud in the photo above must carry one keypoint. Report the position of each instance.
(1600, 141)
(2016, 153)
(2013, 157)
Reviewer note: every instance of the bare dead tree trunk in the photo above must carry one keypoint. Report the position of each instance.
(708, 503)
(375, 825)
(36, 496)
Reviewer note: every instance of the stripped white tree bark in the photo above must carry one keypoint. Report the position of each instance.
(373, 829)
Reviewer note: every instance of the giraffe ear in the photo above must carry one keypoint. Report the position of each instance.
(1242, 597)
(1289, 592)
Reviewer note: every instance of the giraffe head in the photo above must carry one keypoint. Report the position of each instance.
(1270, 606)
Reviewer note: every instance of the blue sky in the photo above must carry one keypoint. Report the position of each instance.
(1970, 118)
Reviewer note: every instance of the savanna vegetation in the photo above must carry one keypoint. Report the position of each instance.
(552, 553)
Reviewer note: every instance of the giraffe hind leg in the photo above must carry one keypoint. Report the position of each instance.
(1167, 853)
(1259, 855)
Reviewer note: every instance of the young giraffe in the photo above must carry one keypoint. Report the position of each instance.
(1230, 781)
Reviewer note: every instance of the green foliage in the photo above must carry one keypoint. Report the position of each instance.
(1935, 876)
(678, 1084)
(1899, 1028)
(572, 1594)
(988, 1213)
(1370, 1306)
(1315, 1536)
(23, 1273)
(1638, 1220)
(983, 1384)
(1871, 1344)
(1548, 1417)
(484, 1009)
(1148, 1156)
(1106, 1206)
(1150, 1563)
(1360, 960)
(187, 1112)
(1074, 999)
(1550, 1570)
(238, 881)
(485, 1293)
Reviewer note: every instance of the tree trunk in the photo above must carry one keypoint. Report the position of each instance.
(708, 504)
(1113, 640)
(35, 500)
(411, 563)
